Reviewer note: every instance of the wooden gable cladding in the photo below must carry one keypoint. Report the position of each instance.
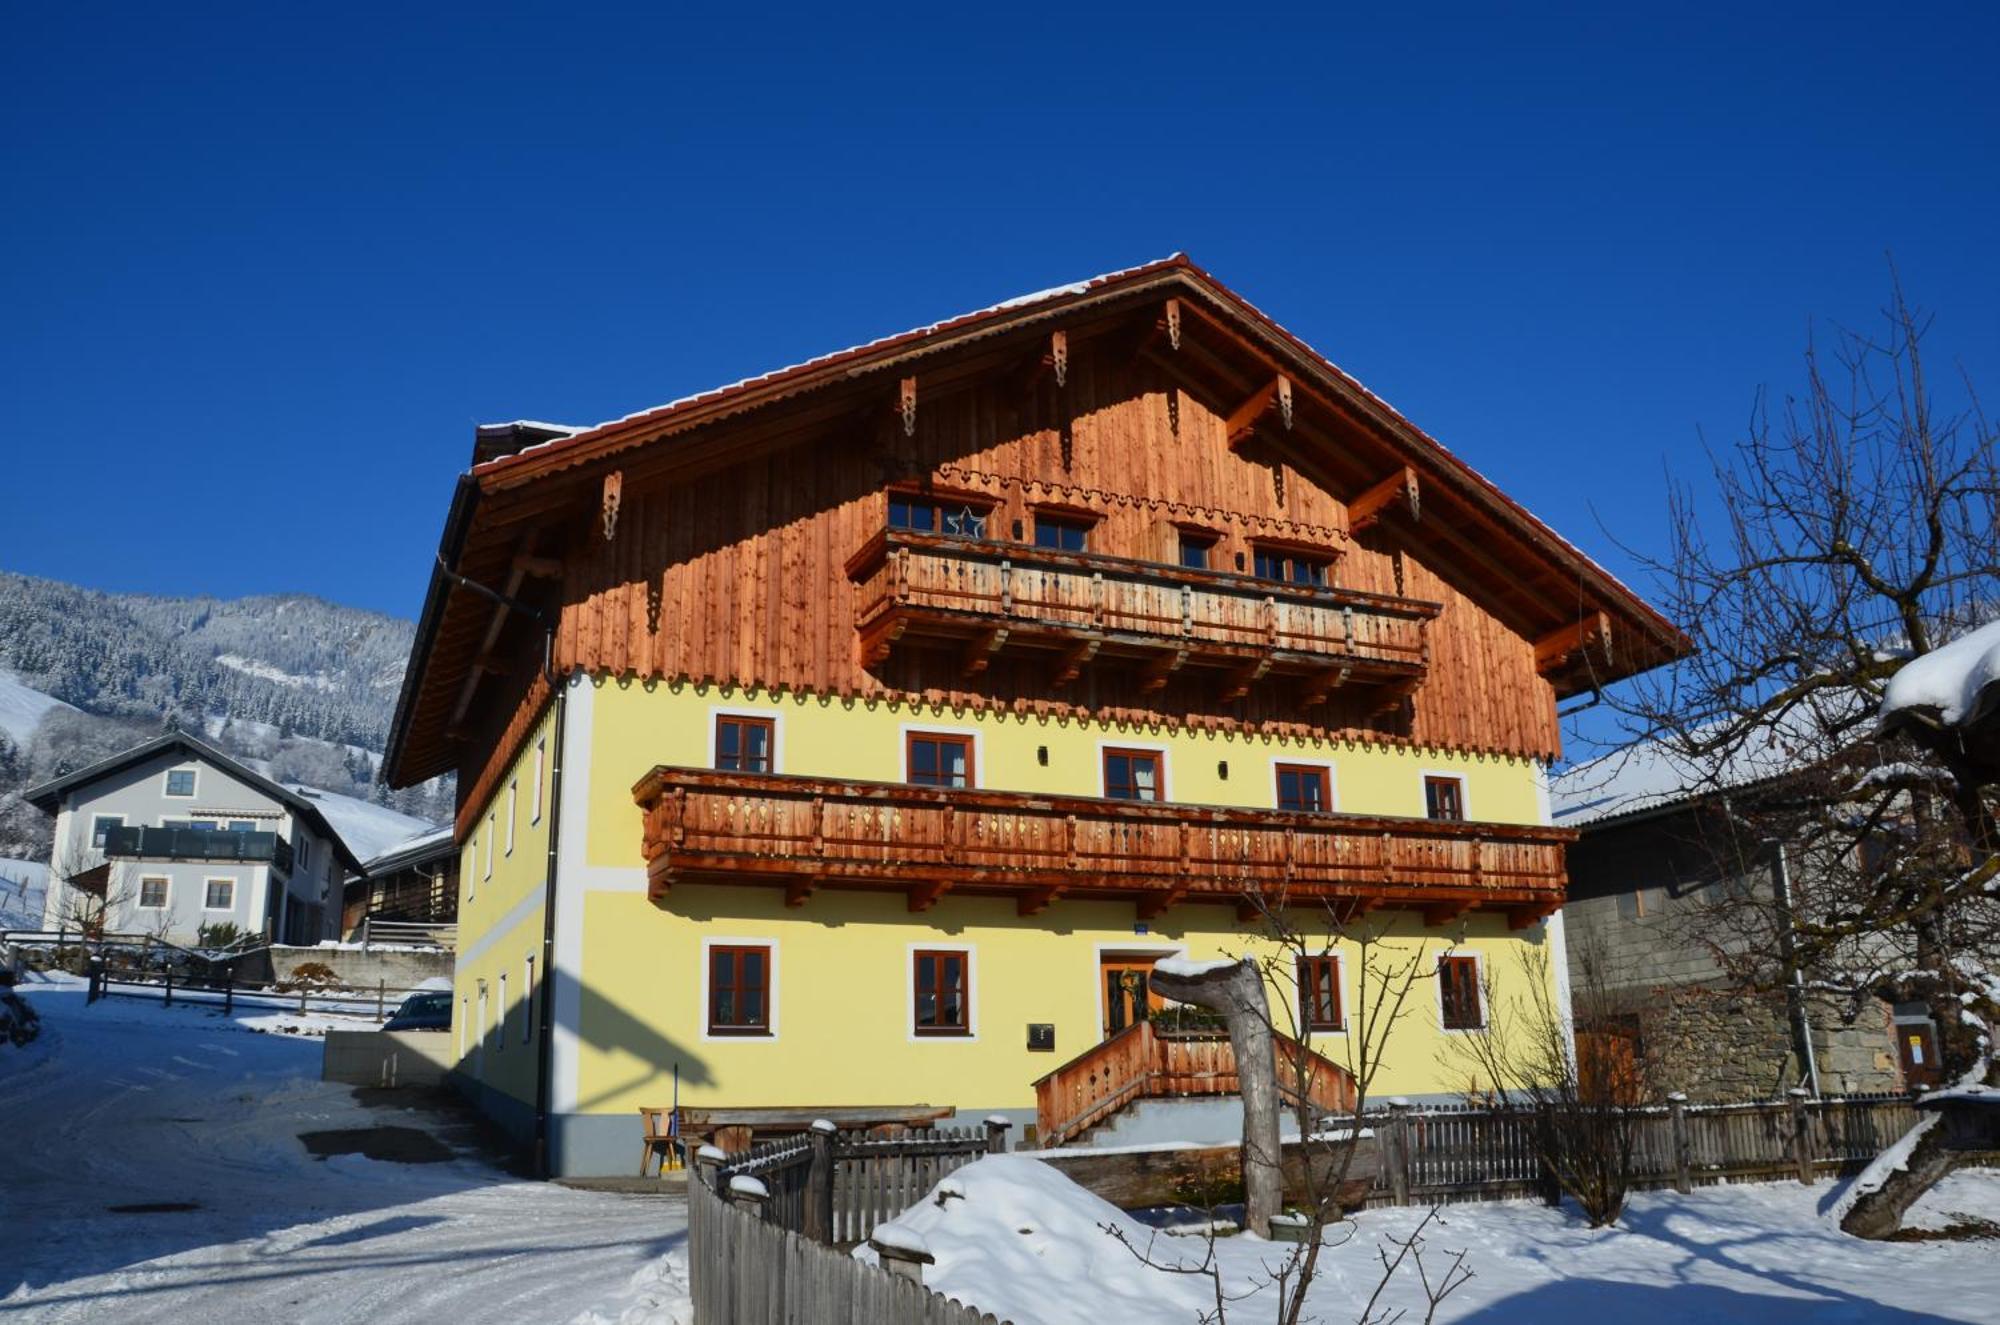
(742, 574)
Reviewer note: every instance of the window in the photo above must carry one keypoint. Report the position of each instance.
(1197, 550)
(513, 807)
(528, 999)
(242, 826)
(940, 987)
(744, 745)
(1065, 533)
(1132, 775)
(153, 893)
(739, 990)
(101, 826)
(1458, 993)
(1304, 787)
(1319, 993)
(486, 869)
(1444, 797)
(218, 895)
(541, 758)
(1292, 567)
(962, 519)
(933, 760)
(180, 782)
(305, 853)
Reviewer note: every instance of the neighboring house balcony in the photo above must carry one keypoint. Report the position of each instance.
(1075, 609)
(806, 833)
(137, 843)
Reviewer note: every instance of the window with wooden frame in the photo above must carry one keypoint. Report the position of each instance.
(1197, 550)
(1458, 994)
(938, 759)
(739, 989)
(180, 782)
(1304, 787)
(218, 895)
(1444, 797)
(1062, 532)
(927, 515)
(744, 744)
(153, 892)
(941, 987)
(1319, 993)
(1291, 566)
(1132, 775)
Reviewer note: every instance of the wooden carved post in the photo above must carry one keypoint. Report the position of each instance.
(1397, 1150)
(1801, 1135)
(1683, 1153)
(1236, 990)
(996, 1134)
(819, 1184)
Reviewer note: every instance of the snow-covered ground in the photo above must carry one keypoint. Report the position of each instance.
(22, 707)
(23, 885)
(1026, 1244)
(126, 1103)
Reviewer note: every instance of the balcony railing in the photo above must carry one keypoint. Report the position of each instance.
(1079, 608)
(137, 843)
(808, 833)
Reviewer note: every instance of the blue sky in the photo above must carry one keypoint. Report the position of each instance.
(265, 267)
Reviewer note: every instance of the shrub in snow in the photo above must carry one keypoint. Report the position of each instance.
(18, 1021)
(310, 975)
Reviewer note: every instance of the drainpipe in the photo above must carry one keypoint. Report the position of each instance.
(1795, 985)
(545, 1075)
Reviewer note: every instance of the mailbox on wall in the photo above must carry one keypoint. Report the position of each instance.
(1042, 1036)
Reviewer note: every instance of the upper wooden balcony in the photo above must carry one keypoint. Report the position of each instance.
(1074, 608)
(805, 833)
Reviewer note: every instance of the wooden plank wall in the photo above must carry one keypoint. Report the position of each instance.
(739, 575)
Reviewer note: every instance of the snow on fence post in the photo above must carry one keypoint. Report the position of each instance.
(1683, 1157)
(749, 1195)
(1801, 1135)
(1398, 1157)
(996, 1134)
(819, 1184)
(229, 992)
(901, 1251)
(170, 988)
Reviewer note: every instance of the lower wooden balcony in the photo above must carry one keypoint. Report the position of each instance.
(807, 833)
(1073, 610)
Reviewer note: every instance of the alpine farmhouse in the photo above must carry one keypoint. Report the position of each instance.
(853, 737)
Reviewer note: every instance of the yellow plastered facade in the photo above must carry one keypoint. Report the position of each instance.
(502, 910)
(842, 962)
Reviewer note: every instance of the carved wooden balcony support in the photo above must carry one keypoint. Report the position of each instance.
(807, 835)
(1079, 610)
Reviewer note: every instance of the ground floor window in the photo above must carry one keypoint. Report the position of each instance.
(1458, 993)
(219, 895)
(739, 990)
(942, 993)
(1319, 993)
(153, 893)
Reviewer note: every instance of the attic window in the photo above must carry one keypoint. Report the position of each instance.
(923, 515)
(180, 782)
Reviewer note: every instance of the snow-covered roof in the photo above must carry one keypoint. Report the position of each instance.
(1959, 682)
(366, 829)
(1651, 776)
(436, 841)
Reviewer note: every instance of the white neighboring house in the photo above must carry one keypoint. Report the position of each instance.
(173, 835)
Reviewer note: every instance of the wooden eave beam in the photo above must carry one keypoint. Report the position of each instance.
(1239, 682)
(1439, 914)
(1158, 903)
(1153, 678)
(1592, 630)
(1036, 900)
(1376, 502)
(1075, 659)
(1243, 420)
(799, 890)
(925, 895)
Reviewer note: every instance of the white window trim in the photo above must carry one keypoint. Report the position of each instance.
(1332, 779)
(167, 902)
(1099, 951)
(1464, 792)
(471, 874)
(541, 760)
(971, 955)
(1166, 768)
(513, 812)
(701, 1009)
(1340, 972)
(486, 869)
(776, 717)
(229, 879)
(1479, 980)
(909, 729)
(167, 782)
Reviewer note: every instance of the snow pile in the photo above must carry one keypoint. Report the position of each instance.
(659, 1294)
(1952, 680)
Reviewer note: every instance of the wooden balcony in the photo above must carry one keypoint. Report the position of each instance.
(1145, 1061)
(806, 833)
(1078, 609)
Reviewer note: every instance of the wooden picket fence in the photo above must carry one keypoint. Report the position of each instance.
(1445, 1154)
(782, 1258)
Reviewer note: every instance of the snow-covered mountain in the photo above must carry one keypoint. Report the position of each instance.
(301, 689)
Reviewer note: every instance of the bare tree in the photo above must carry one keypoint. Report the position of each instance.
(90, 887)
(1853, 528)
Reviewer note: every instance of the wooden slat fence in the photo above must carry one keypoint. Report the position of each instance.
(754, 1263)
(1445, 1154)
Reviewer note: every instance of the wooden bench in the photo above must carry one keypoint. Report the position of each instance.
(734, 1129)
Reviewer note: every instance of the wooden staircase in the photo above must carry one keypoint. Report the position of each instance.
(1148, 1062)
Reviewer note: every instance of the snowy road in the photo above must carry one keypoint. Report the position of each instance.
(130, 1104)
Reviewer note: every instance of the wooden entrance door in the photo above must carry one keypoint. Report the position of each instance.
(1917, 1047)
(1128, 991)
